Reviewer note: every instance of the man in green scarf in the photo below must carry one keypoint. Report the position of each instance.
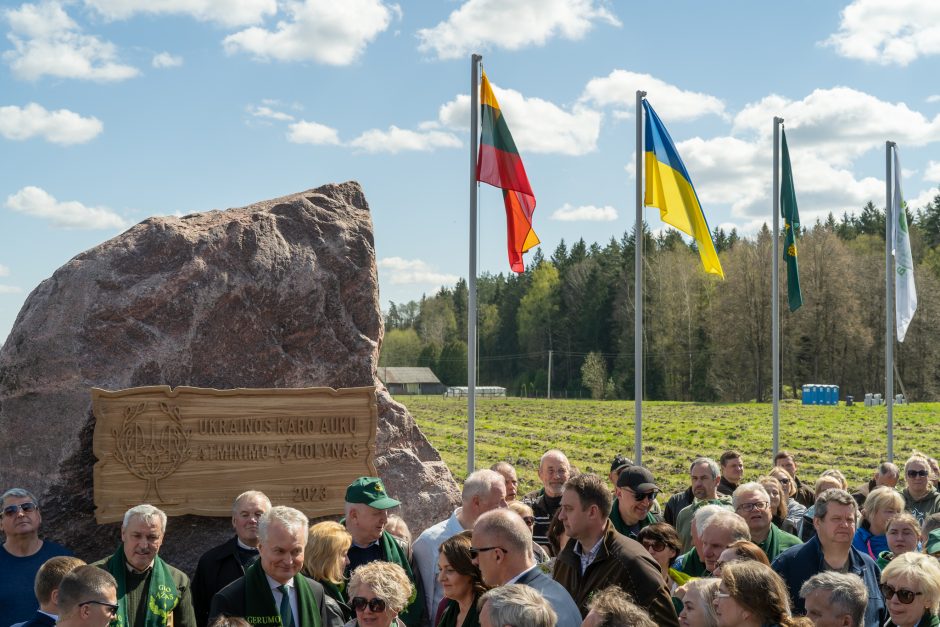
(273, 593)
(367, 505)
(752, 503)
(150, 592)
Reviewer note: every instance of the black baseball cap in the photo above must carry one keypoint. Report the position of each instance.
(638, 479)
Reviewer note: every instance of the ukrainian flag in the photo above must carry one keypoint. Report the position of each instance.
(669, 187)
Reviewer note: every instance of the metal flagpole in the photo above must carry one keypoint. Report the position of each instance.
(472, 282)
(638, 290)
(775, 287)
(889, 300)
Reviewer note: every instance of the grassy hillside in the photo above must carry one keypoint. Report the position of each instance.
(852, 439)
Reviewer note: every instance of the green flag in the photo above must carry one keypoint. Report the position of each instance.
(791, 228)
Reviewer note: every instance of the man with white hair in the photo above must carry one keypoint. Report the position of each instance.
(221, 565)
(515, 605)
(554, 471)
(272, 591)
(22, 553)
(483, 490)
(713, 529)
(148, 589)
(752, 503)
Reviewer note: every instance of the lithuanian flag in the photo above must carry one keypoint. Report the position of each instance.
(669, 187)
(499, 164)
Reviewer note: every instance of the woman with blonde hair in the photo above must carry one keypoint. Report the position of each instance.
(698, 603)
(903, 535)
(795, 510)
(881, 505)
(910, 585)
(779, 504)
(752, 595)
(325, 560)
(378, 592)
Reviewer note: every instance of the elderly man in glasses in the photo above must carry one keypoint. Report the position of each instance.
(752, 503)
(22, 554)
(636, 491)
(87, 598)
(920, 497)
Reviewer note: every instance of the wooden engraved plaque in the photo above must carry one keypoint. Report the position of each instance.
(193, 450)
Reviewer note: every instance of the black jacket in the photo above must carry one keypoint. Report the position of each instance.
(217, 568)
(230, 601)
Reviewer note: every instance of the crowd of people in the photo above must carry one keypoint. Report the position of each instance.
(580, 550)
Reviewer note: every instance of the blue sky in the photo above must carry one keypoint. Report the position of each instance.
(112, 111)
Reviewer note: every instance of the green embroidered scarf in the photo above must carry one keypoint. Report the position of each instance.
(393, 552)
(260, 608)
(161, 597)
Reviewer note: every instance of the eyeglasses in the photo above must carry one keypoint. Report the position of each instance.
(654, 545)
(483, 549)
(781, 480)
(642, 496)
(112, 608)
(722, 595)
(918, 473)
(904, 596)
(750, 507)
(376, 604)
(27, 507)
(529, 520)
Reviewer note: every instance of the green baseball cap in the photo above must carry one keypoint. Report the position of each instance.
(371, 492)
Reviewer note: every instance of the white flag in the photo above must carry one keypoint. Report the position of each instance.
(905, 297)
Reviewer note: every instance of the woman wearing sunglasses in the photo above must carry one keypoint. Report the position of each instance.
(663, 544)
(752, 595)
(920, 497)
(794, 510)
(910, 584)
(378, 591)
(462, 583)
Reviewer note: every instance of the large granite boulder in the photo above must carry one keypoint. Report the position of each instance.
(282, 293)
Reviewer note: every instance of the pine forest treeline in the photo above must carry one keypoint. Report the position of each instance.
(704, 339)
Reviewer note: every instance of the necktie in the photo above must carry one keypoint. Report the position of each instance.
(286, 616)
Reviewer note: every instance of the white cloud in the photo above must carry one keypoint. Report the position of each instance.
(585, 213)
(68, 215)
(922, 199)
(4, 270)
(268, 113)
(332, 33)
(932, 172)
(46, 41)
(166, 60)
(618, 89)
(484, 24)
(9, 289)
(396, 140)
(537, 126)
(225, 12)
(414, 271)
(888, 31)
(304, 132)
(840, 123)
(59, 127)
(933, 98)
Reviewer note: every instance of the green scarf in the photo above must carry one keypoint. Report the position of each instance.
(449, 617)
(393, 552)
(260, 608)
(692, 565)
(620, 524)
(777, 542)
(162, 595)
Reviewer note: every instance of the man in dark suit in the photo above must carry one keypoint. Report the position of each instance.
(273, 591)
(502, 548)
(221, 565)
(46, 587)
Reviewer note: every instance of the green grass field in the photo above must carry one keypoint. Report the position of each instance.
(852, 439)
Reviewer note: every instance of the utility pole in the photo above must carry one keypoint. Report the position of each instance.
(549, 373)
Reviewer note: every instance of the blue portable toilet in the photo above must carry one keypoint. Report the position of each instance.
(806, 394)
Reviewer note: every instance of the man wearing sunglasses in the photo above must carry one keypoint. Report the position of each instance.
(22, 554)
(87, 598)
(631, 510)
(597, 556)
(834, 517)
(920, 497)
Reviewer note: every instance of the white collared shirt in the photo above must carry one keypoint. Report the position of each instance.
(292, 593)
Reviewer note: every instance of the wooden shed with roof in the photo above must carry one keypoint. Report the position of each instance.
(410, 380)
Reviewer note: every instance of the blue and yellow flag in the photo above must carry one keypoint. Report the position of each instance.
(669, 187)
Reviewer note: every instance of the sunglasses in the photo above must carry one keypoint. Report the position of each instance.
(358, 604)
(786, 481)
(27, 507)
(918, 473)
(654, 545)
(529, 520)
(904, 596)
(483, 549)
(111, 607)
(642, 496)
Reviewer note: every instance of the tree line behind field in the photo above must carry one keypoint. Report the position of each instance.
(704, 339)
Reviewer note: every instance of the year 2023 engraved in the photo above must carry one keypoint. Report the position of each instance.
(310, 493)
